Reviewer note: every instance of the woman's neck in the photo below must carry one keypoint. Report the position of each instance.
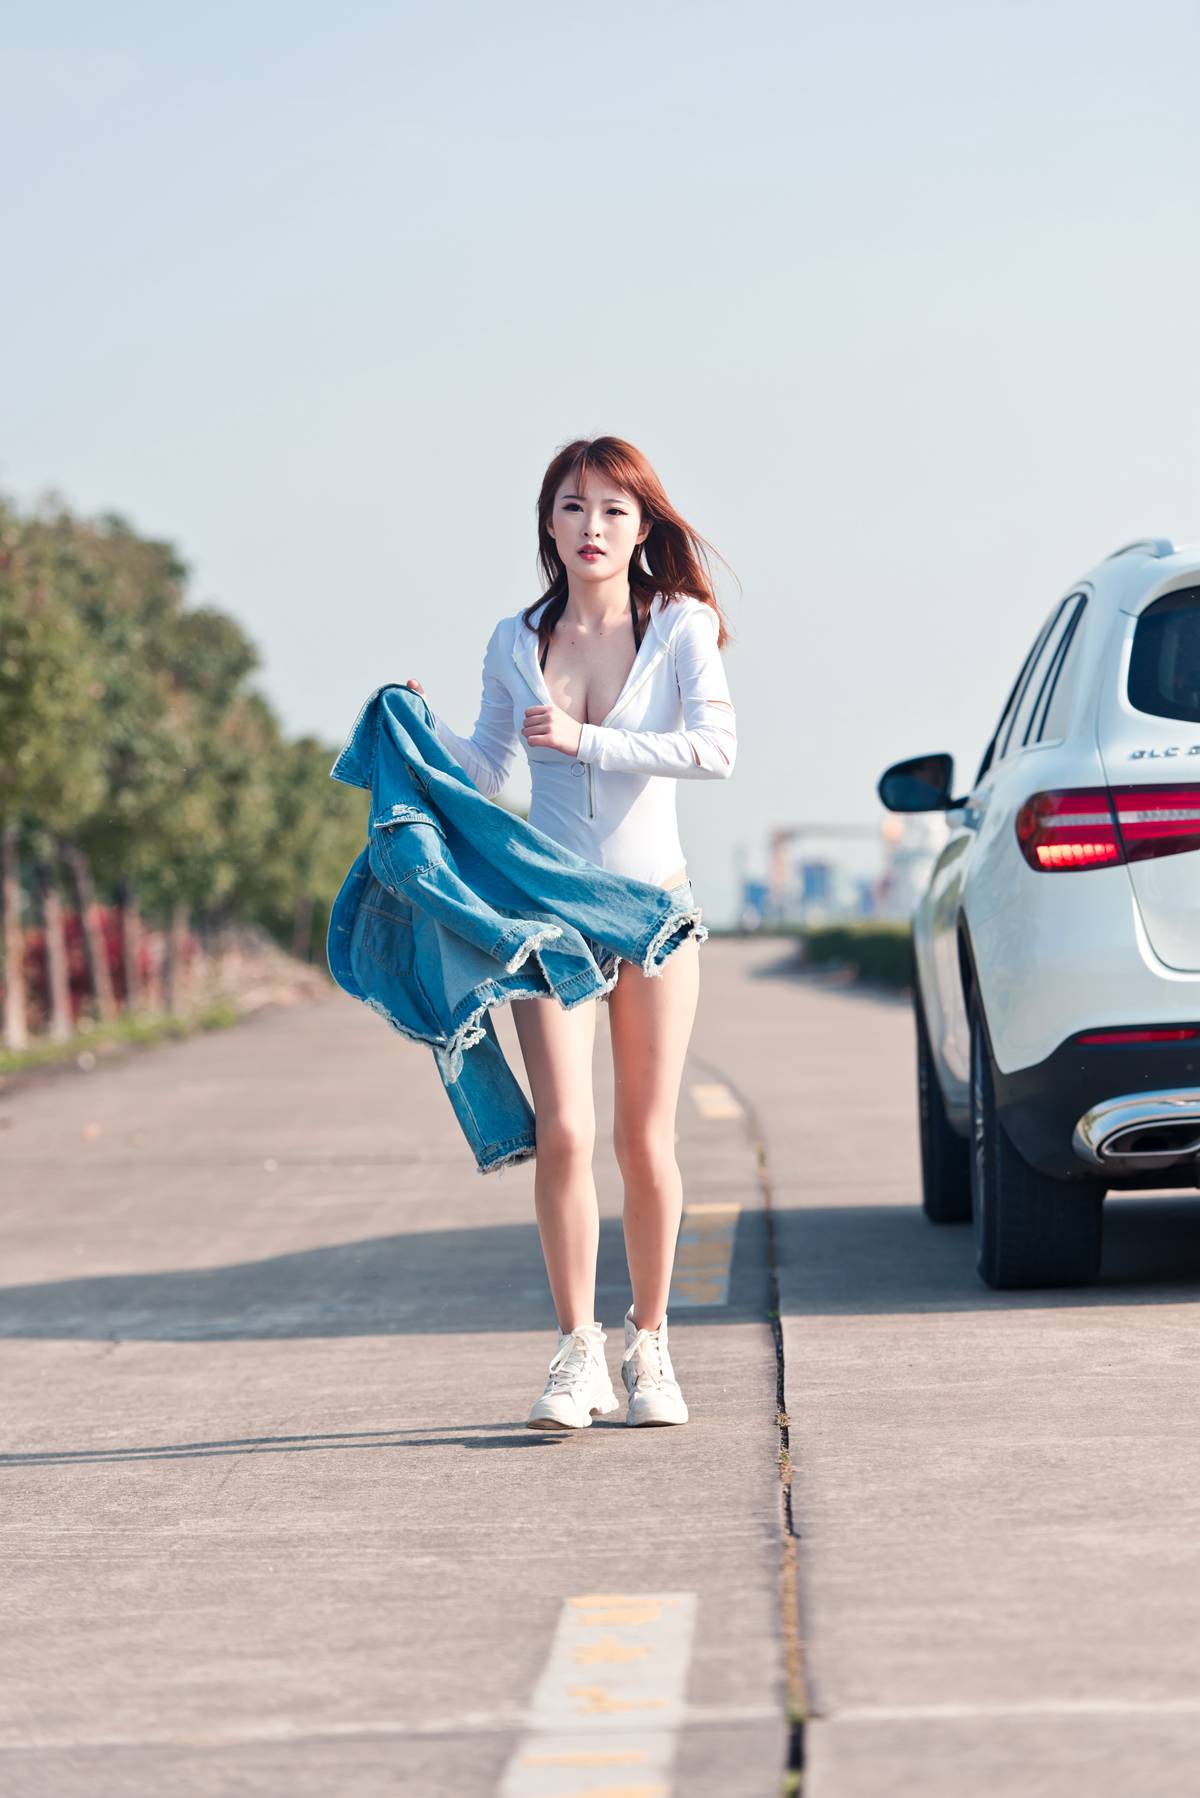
(598, 605)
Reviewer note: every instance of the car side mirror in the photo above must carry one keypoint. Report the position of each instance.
(923, 784)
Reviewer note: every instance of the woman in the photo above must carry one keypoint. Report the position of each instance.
(628, 630)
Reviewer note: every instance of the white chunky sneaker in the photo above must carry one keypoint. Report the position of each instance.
(654, 1395)
(579, 1387)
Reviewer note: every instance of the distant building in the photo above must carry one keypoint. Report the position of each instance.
(821, 890)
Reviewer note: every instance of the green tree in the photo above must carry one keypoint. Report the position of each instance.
(51, 760)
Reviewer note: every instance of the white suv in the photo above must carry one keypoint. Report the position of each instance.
(1056, 947)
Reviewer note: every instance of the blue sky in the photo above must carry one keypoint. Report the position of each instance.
(900, 303)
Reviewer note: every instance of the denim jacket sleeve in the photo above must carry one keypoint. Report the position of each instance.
(487, 754)
(706, 746)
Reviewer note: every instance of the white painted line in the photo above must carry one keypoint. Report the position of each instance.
(606, 1711)
(1034, 1707)
(713, 1099)
(704, 1256)
(295, 1729)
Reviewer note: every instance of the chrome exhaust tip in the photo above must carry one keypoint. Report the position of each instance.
(1141, 1130)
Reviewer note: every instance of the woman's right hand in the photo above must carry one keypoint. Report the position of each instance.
(416, 687)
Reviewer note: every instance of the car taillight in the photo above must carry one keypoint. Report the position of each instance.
(1158, 820)
(1093, 827)
(1127, 1037)
(1064, 831)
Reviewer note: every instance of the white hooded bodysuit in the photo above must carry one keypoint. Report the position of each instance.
(673, 717)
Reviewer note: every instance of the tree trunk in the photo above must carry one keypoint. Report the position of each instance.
(16, 1010)
(302, 927)
(175, 972)
(93, 932)
(132, 935)
(154, 993)
(201, 963)
(58, 976)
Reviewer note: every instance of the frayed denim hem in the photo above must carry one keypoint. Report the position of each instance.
(508, 1158)
(653, 969)
(609, 961)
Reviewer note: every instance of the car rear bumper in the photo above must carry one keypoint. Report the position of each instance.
(1070, 1114)
(1141, 1132)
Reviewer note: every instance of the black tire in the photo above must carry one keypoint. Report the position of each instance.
(1030, 1229)
(945, 1155)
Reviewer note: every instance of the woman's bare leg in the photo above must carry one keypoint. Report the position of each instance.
(557, 1047)
(651, 1020)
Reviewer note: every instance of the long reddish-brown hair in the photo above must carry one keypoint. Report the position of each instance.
(671, 560)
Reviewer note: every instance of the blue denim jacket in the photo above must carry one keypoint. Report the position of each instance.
(455, 905)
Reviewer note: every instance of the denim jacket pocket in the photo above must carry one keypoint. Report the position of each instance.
(384, 932)
(406, 814)
(404, 840)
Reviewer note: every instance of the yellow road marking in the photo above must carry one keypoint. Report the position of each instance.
(639, 1644)
(704, 1254)
(654, 1791)
(615, 1609)
(606, 1791)
(713, 1099)
(698, 1292)
(609, 1650)
(598, 1701)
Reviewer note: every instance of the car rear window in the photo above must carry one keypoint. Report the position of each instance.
(1164, 669)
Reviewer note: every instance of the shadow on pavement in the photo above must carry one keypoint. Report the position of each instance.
(488, 1279)
(493, 1435)
(851, 1259)
(865, 1259)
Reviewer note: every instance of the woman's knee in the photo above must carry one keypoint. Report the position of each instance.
(565, 1136)
(644, 1151)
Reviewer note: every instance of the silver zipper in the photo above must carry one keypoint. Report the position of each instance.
(588, 767)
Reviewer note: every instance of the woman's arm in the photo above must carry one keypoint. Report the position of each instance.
(706, 747)
(487, 754)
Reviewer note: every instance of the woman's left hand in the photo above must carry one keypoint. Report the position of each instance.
(549, 727)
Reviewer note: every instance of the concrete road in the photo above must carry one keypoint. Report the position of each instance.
(272, 1522)
(997, 1495)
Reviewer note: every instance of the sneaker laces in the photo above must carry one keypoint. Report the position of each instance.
(569, 1365)
(646, 1351)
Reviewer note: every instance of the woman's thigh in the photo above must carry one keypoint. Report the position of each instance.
(650, 1020)
(557, 1048)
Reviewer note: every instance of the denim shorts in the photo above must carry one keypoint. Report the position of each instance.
(609, 961)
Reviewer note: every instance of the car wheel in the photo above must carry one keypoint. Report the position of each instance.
(945, 1155)
(1030, 1229)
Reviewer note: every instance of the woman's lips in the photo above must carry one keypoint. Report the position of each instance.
(591, 554)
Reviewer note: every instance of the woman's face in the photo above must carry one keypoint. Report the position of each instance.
(596, 527)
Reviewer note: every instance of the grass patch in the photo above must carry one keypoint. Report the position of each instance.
(102, 1038)
(878, 953)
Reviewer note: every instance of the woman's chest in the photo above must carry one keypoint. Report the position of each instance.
(586, 675)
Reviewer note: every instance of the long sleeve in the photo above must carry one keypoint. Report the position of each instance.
(706, 746)
(487, 754)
